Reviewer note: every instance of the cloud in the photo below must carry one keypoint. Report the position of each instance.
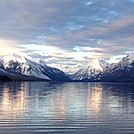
(53, 29)
(8, 50)
(5, 42)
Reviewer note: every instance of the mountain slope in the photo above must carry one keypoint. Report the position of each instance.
(27, 68)
(91, 70)
(23, 65)
(16, 67)
(123, 71)
(56, 74)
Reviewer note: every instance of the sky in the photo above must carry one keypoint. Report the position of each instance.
(67, 32)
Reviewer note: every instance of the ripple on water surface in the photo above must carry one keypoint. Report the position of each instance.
(66, 108)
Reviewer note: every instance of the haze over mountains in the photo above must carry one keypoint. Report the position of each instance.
(17, 67)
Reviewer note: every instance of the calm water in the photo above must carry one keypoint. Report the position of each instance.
(66, 108)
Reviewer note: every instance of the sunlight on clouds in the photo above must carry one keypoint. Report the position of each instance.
(8, 47)
(80, 56)
(116, 59)
(77, 55)
(90, 49)
(99, 29)
(87, 52)
(94, 55)
(41, 49)
(8, 50)
(8, 42)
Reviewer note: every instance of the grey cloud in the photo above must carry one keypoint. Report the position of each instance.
(108, 25)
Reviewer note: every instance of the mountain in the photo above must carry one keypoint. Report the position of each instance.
(24, 65)
(122, 71)
(93, 68)
(18, 67)
(56, 74)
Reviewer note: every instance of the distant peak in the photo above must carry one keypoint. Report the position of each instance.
(131, 55)
(97, 64)
(97, 61)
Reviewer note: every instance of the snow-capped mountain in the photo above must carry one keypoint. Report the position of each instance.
(28, 67)
(127, 61)
(18, 67)
(24, 65)
(122, 71)
(93, 68)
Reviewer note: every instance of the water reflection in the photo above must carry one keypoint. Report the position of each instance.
(96, 99)
(14, 100)
(66, 107)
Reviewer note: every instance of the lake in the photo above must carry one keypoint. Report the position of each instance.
(66, 108)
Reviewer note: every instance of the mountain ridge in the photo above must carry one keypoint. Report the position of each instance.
(122, 71)
(93, 68)
(16, 67)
